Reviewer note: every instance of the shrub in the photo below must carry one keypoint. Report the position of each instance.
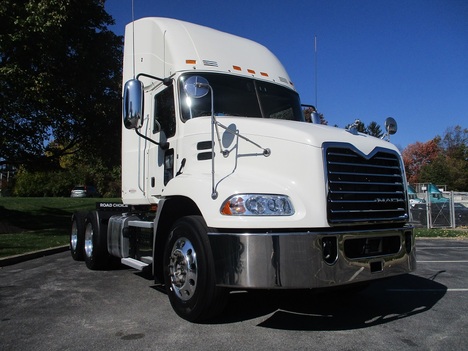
(60, 182)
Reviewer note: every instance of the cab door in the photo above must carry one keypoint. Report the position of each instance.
(161, 159)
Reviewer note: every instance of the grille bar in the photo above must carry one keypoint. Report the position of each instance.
(373, 211)
(352, 201)
(363, 165)
(366, 174)
(367, 192)
(360, 183)
(363, 189)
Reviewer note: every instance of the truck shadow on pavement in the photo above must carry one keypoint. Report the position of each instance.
(381, 302)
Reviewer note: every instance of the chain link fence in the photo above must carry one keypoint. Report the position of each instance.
(449, 210)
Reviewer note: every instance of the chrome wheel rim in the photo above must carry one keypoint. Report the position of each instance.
(74, 236)
(88, 244)
(183, 269)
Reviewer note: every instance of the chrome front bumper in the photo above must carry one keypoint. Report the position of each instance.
(305, 259)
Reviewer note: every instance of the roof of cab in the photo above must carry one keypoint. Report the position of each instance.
(164, 46)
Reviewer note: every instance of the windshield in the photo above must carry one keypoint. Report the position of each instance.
(239, 96)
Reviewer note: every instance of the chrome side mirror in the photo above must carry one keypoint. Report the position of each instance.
(132, 108)
(391, 125)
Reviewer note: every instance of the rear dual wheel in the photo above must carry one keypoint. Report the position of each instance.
(77, 236)
(95, 242)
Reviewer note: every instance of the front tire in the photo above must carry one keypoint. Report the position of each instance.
(189, 272)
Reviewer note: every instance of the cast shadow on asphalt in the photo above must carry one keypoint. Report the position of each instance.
(382, 302)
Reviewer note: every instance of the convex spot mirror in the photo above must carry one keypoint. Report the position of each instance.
(132, 108)
(196, 87)
(391, 125)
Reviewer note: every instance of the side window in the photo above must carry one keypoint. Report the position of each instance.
(164, 112)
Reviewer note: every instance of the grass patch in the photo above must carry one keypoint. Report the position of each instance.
(30, 224)
(20, 243)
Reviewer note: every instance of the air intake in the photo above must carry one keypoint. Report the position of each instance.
(365, 189)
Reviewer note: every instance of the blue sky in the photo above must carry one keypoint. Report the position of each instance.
(402, 58)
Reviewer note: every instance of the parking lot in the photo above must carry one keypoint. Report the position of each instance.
(55, 303)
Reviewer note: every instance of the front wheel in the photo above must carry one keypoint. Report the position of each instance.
(189, 271)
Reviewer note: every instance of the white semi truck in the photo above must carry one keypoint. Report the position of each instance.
(225, 186)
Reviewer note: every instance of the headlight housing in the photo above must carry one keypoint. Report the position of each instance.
(257, 205)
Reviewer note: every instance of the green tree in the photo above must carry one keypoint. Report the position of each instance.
(59, 81)
(374, 129)
(455, 142)
(450, 167)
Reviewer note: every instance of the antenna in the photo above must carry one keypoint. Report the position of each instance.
(133, 39)
(315, 68)
(164, 54)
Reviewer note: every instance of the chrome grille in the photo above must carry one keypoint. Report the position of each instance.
(363, 189)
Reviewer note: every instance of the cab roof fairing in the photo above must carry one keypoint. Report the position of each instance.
(164, 46)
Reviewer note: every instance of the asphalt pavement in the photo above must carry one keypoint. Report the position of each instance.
(10, 260)
(55, 303)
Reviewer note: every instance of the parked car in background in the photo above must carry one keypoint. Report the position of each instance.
(84, 191)
(461, 214)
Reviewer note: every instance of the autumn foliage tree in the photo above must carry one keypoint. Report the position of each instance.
(418, 155)
(442, 160)
(450, 167)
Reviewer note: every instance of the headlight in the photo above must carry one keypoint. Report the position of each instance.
(257, 205)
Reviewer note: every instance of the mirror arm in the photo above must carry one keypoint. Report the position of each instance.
(163, 145)
(166, 81)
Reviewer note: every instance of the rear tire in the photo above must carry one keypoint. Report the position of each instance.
(77, 236)
(95, 242)
(189, 271)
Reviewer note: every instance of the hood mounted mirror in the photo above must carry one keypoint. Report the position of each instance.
(196, 87)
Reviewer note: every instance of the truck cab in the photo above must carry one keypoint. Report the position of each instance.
(228, 187)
